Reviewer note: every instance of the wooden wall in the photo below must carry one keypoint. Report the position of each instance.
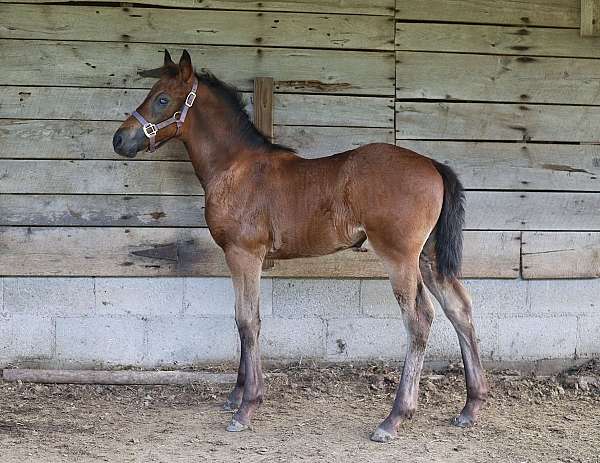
(506, 92)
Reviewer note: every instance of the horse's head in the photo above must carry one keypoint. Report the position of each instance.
(161, 115)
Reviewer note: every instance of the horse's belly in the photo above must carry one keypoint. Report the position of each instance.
(315, 243)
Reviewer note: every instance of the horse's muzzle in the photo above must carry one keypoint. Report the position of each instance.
(128, 143)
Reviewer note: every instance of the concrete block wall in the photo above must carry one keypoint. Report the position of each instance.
(92, 322)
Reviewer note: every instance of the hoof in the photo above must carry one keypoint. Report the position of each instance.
(230, 406)
(236, 426)
(461, 421)
(380, 435)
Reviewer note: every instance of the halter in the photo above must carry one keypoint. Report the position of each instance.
(151, 129)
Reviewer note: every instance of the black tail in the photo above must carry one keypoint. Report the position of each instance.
(448, 231)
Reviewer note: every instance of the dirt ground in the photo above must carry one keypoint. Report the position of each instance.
(311, 414)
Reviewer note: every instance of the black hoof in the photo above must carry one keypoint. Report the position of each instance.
(461, 421)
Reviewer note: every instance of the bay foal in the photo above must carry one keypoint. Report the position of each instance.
(264, 201)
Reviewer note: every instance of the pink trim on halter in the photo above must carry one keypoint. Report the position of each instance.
(151, 129)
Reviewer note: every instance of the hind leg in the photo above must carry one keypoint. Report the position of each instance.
(417, 313)
(457, 306)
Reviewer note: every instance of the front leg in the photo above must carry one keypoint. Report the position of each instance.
(234, 400)
(245, 267)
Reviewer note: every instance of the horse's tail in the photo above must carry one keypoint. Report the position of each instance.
(448, 230)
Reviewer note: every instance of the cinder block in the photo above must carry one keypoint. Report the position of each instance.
(101, 340)
(443, 340)
(489, 297)
(24, 336)
(523, 338)
(49, 296)
(285, 338)
(215, 297)
(497, 297)
(365, 339)
(139, 296)
(555, 297)
(316, 298)
(185, 341)
(377, 299)
(588, 336)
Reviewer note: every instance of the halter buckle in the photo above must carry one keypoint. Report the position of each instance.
(189, 101)
(177, 116)
(150, 129)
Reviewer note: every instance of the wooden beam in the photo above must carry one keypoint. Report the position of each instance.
(115, 377)
(517, 166)
(108, 251)
(495, 40)
(555, 13)
(279, 29)
(495, 121)
(495, 78)
(111, 104)
(263, 105)
(590, 16)
(110, 64)
(561, 255)
(372, 7)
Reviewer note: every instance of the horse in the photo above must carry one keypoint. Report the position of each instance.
(263, 201)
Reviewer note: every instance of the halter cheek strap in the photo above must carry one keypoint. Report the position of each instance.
(151, 129)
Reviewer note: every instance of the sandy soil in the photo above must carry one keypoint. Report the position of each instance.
(311, 414)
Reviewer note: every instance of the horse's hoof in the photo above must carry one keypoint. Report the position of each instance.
(236, 426)
(462, 421)
(381, 435)
(230, 406)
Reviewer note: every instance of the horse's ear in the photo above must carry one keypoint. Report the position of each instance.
(168, 61)
(185, 66)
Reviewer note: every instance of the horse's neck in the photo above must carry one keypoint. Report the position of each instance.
(210, 148)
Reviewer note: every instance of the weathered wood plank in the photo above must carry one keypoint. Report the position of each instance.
(488, 121)
(57, 22)
(120, 377)
(590, 16)
(521, 210)
(98, 177)
(106, 64)
(108, 251)
(24, 139)
(312, 142)
(486, 210)
(561, 255)
(495, 40)
(520, 166)
(372, 7)
(115, 104)
(101, 211)
(480, 166)
(556, 13)
(497, 78)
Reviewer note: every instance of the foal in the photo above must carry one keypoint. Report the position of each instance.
(264, 201)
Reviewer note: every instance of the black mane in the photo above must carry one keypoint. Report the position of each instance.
(234, 99)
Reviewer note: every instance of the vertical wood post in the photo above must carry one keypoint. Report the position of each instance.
(263, 105)
(590, 16)
(263, 120)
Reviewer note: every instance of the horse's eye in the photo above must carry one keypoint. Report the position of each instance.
(163, 100)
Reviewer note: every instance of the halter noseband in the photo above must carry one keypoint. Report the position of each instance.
(150, 129)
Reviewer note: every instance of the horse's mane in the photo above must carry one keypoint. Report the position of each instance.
(234, 99)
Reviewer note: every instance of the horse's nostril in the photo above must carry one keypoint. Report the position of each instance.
(117, 141)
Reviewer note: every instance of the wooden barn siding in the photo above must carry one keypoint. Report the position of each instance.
(507, 92)
(476, 100)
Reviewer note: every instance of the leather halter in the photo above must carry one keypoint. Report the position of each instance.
(151, 129)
